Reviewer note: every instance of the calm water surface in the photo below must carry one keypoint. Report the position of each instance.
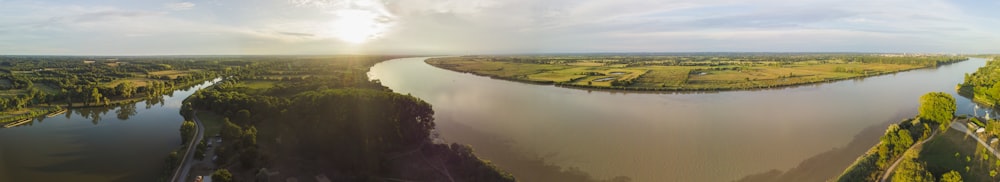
(122, 143)
(669, 136)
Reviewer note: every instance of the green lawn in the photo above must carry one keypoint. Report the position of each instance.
(213, 122)
(939, 155)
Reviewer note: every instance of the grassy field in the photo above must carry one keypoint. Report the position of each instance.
(729, 76)
(136, 81)
(213, 122)
(258, 84)
(173, 74)
(940, 156)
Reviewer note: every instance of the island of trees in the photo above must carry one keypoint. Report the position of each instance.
(688, 71)
(307, 116)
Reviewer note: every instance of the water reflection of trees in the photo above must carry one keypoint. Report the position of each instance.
(125, 111)
(122, 111)
(154, 101)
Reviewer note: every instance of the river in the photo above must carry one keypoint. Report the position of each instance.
(814, 131)
(122, 143)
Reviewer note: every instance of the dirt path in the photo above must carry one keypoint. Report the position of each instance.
(888, 171)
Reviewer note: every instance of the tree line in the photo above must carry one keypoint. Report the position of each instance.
(333, 108)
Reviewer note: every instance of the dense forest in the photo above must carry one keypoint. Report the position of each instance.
(291, 115)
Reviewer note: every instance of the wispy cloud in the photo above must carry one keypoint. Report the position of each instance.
(179, 6)
(497, 26)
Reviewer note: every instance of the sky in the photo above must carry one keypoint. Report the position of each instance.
(227, 27)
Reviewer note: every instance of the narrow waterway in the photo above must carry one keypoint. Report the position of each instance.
(122, 143)
(669, 136)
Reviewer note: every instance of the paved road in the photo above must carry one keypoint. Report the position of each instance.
(182, 172)
(961, 127)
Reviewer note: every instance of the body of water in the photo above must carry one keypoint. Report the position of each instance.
(812, 131)
(122, 143)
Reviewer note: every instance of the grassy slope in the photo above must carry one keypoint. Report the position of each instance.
(939, 155)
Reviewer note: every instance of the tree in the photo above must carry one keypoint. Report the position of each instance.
(231, 131)
(938, 107)
(125, 89)
(242, 116)
(199, 152)
(95, 95)
(911, 170)
(187, 131)
(222, 175)
(250, 136)
(952, 176)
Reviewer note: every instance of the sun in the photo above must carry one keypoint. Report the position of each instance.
(358, 26)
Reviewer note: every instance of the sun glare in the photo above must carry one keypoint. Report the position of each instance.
(358, 26)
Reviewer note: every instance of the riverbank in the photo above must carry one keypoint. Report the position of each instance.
(28, 114)
(981, 86)
(725, 76)
(547, 122)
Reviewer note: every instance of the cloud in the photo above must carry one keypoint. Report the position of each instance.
(180, 6)
(498, 26)
(297, 34)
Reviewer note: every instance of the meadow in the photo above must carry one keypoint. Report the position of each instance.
(679, 73)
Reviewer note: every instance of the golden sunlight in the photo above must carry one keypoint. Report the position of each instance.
(358, 26)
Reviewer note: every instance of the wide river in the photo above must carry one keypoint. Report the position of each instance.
(122, 143)
(811, 133)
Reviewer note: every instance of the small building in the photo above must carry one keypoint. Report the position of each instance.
(980, 130)
(88, 61)
(994, 140)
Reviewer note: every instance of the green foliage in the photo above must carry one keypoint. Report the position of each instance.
(242, 116)
(335, 119)
(952, 176)
(64, 79)
(938, 107)
(982, 85)
(188, 129)
(230, 131)
(222, 175)
(199, 152)
(125, 89)
(896, 140)
(911, 171)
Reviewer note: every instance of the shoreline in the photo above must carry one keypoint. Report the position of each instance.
(53, 109)
(685, 90)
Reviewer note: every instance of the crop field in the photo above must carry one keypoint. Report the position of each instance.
(173, 74)
(686, 73)
(138, 82)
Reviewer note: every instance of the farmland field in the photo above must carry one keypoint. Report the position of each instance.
(678, 73)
